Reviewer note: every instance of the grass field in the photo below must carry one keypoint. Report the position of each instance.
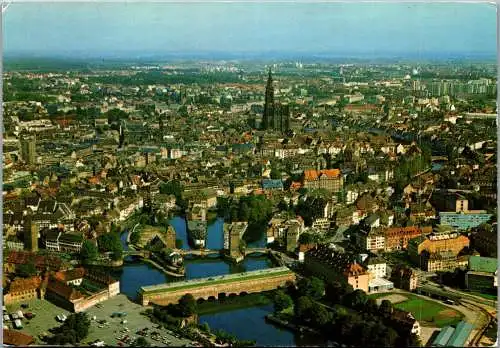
(427, 312)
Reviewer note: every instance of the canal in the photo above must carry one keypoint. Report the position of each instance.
(250, 324)
(245, 323)
(136, 273)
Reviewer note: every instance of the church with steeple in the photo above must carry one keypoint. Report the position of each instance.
(276, 115)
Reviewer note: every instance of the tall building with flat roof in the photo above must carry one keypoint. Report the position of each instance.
(28, 149)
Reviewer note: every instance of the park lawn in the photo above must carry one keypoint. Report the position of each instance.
(427, 312)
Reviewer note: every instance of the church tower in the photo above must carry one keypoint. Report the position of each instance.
(268, 117)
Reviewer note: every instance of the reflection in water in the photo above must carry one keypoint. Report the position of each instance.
(179, 225)
(250, 324)
(215, 235)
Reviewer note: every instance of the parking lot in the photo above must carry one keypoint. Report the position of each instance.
(45, 317)
(113, 332)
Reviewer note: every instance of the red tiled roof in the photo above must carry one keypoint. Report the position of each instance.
(71, 274)
(312, 174)
(16, 338)
(28, 284)
(354, 269)
(404, 230)
(22, 257)
(63, 290)
(306, 247)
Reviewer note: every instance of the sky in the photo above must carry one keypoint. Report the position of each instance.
(336, 29)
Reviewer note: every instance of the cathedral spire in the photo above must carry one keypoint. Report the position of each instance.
(268, 117)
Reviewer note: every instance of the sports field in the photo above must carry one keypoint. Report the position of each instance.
(427, 312)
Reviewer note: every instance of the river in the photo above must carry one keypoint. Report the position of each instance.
(247, 323)
(136, 273)
(250, 324)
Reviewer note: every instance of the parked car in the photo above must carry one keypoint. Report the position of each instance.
(17, 324)
(98, 343)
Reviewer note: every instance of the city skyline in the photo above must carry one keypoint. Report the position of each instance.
(131, 30)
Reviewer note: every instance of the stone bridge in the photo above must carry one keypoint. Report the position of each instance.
(216, 287)
(204, 252)
(141, 253)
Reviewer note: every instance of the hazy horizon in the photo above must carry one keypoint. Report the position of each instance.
(251, 30)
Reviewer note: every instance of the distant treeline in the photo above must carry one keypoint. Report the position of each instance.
(158, 77)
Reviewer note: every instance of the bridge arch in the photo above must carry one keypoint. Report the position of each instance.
(243, 293)
(211, 298)
(221, 296)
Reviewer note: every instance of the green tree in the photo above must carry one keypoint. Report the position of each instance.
(316, 288)
(115, 115)
(187, 305)
(313, 287)
(321, 316)
(89, 251)
(275, 173)
(356, 299)
(110, 242)
(135, 237)
(306, 238)
(385, 308)
(281, 301)
(141, 342)
(27, 270)
(303, 308)
(173, 187)
(75, 329)
(335, 291)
